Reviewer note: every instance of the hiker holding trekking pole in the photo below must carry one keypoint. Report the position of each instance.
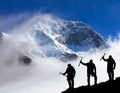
(70, 74)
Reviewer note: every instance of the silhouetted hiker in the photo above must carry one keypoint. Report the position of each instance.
(91, 71)
(110, 66)
(70, 71)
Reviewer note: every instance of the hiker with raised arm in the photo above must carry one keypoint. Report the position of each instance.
(91, 71)
(111, 64)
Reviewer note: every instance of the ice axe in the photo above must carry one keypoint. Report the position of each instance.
(80, 60)
(102, 56)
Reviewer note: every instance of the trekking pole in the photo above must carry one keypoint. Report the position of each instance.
(80, 60)
(62, 74)
(102, 56)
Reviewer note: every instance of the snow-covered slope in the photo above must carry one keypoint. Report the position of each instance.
(59, 38)
(54, 37)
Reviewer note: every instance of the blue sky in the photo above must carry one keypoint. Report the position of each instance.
(102, 15)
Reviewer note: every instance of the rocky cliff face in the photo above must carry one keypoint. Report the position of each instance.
(80, 37)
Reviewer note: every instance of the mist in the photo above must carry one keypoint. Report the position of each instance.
(42, 75)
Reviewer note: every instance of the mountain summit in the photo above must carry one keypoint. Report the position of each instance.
(63, 39)
(54, 37)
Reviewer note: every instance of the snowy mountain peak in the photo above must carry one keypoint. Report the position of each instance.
(53, 37)
(58, 38)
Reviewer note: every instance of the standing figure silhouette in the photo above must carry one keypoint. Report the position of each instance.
(110, 66)
(70, 71)
(91, 71)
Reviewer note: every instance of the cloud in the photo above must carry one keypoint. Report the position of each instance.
(9, 22)
(42, 76)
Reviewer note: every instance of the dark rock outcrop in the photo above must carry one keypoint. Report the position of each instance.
(108, 86)
(25, 60)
